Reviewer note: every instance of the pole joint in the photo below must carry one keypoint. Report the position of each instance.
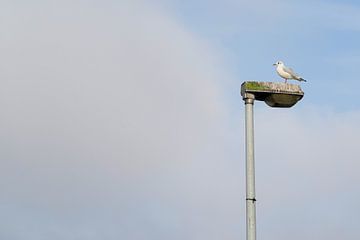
(249, 98)
(251, 199)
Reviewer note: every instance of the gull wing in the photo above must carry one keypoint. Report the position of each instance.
(291, 72)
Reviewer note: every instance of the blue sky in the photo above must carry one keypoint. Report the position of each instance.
(123, 120)
(319, 37)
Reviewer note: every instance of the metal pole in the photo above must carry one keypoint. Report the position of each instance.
(250, 168)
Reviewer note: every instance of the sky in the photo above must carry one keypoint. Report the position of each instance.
(123, 119)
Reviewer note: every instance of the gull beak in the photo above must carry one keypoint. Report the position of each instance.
(274, 64)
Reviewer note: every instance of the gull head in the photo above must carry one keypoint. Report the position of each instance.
(278, 63)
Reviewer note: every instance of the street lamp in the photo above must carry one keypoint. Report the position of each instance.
(280, 95)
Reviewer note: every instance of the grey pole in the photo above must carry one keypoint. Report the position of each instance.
(275, 95)
(250, 168)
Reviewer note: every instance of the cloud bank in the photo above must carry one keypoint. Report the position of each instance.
(111, 120)
(116, 125)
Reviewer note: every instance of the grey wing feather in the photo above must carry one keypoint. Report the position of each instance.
(290, 71)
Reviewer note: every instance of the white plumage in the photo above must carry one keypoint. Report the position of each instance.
(286, 72)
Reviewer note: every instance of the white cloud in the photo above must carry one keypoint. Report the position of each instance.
(307, 175)
(115, 125)
(110, 119)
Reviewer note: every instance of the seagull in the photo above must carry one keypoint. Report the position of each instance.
(286, 72)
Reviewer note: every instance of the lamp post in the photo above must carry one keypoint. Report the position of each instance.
(275, 95)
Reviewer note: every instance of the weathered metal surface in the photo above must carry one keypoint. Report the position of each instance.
(273, 94)
(250, 169)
